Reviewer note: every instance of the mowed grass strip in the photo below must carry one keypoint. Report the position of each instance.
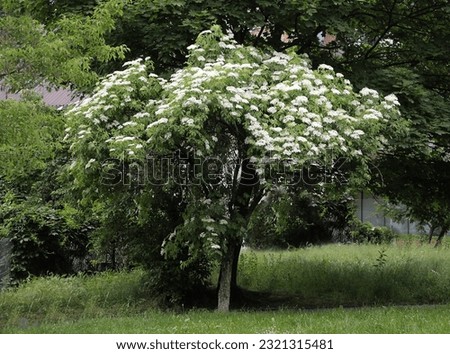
(421, 319)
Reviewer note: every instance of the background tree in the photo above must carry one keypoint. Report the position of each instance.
(52, 44)
(222, 133)
(41, 44)
(32, 213)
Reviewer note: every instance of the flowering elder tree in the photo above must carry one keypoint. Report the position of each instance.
(215, 130)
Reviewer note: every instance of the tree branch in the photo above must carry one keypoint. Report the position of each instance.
(309, 40)
(390, 24)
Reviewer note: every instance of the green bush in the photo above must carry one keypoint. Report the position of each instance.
(42, 239)
(367, 233)
(128, 237)
(298, 220)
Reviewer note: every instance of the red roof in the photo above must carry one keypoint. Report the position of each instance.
(57, 98)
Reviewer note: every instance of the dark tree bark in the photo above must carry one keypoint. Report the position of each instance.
(441, 235)
(244, 197)
(430, 233)
(226, 277)
(237, 252)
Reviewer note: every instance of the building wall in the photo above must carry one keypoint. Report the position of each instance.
(367, 211)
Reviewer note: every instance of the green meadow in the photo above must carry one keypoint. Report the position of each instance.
(398, 288)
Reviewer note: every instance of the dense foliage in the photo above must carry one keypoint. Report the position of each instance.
(32, 214)
(41, 45)
(50, 48)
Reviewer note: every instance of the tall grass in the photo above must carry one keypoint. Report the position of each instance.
(327, 276)
(55, 298)
(357, 275)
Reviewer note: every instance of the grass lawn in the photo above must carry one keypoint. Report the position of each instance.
(398, 288)
(418, 319)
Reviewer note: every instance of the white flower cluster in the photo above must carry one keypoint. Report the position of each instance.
(159, 121)
(325, 67)
(287, 109)
(369, 92)
(102, 110)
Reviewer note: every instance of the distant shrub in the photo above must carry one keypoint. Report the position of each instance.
(299, 220)
(367, 233)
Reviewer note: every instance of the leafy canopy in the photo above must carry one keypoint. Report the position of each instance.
(28, 137)
(60, 51)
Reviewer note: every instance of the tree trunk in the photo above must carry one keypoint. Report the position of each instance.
(430, 234)
(226, 277)
(441, 236)
(240, 211)
(237, 252)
